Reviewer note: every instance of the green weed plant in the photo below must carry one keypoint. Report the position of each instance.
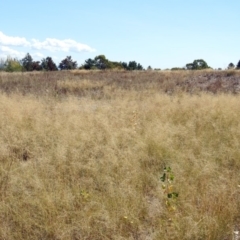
(168, 187)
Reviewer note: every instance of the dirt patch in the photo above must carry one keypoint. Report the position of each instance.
(213, 81)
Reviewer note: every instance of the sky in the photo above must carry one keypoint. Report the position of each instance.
(157, 33)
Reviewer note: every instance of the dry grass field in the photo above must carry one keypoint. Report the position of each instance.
(82, 155)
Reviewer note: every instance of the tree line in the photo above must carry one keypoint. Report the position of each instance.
(200, 64)
(47, 64)
(100, 62)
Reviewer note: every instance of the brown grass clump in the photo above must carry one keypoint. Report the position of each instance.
(86, 163)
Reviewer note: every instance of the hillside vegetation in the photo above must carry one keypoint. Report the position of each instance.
(83, 153)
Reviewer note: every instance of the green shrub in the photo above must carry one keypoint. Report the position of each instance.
(13, 65)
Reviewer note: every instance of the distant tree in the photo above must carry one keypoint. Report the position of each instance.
(2, 64)
(115, 65)
(67, 64)
(139, 67)
(231, 66)
(89, 64)
(200, 64)
(132, 65)
(12, 65)
(238, 65)
(101, 62)
(124, 65)
(197, 65)
(149, 68)
(27, 62)
(36, 66)
(48, 64)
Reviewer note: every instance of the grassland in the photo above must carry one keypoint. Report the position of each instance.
(82, 153)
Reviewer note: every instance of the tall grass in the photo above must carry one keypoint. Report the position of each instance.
(89, 167)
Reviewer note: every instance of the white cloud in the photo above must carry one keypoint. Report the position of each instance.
(67, 45)
(12, 41)
(6, 51)
(49, 44)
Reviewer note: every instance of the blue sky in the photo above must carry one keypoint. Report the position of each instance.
(163, 34)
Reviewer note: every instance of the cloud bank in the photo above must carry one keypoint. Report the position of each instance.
(67, 45)
(13, 41)
(49, 44)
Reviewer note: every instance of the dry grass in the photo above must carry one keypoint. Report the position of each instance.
(85, 163)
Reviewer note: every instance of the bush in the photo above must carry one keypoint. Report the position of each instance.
(13, 65)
